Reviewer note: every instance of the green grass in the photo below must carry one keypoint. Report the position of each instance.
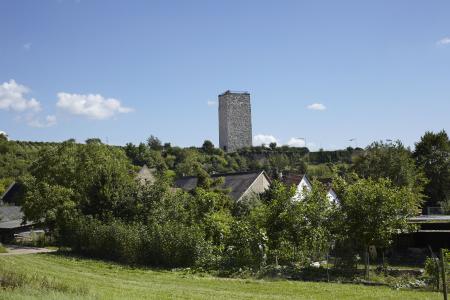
(3, 249)
(75, 278)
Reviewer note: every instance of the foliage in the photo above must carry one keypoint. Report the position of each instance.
(373, 211)
(297, 230)
(154, 143)
(433, 155)
(208, 147)
(4, 184)
(393, 161)
(71, 179)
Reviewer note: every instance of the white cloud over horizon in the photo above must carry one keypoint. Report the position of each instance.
(13, 98)
(443, 41)
(296, 142)
(93, 106)
(265, 139)
(49, 121)
(316, 106)
(211, 103)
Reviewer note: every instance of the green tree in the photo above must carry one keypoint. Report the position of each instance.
(373, 211)
(93, 141)
(93, 179)
(208, 147)
(154, 143)
(296, 230)
(432, 154)
(393, 161)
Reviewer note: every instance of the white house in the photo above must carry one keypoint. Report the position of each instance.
(303, 184)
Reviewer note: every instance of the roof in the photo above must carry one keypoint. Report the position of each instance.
(146, 175)
(14, 224)
(292, 179)
(430, 219)
(237, 183)
(11, 217)
(10, 212)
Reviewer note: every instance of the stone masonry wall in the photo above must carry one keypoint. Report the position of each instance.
(235, 124)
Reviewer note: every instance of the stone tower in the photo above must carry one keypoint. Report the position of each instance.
(235, 121)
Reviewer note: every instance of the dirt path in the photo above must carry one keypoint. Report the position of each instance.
(16, 250)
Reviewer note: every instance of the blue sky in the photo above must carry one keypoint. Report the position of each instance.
(327, 71)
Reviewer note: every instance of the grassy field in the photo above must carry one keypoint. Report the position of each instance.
(50, 276)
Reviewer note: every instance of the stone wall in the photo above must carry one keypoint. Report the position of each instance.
(235, 122)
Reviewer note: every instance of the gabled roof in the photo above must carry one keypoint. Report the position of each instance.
(292, 179)
(146, 175)
(237, 183)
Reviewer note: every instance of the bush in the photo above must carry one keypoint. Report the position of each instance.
(168, 244)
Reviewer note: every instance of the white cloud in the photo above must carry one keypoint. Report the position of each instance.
(316, 106)
(211, 103)
(27, 46)
(443, 41)
(93, 106)
(296, 142)
(260, 139)
(49, 121)
(13, 97)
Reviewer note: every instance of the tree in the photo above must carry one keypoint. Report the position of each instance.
(373, 211)
(391, 161)
(93, 141)
(154, 143)
(208, 147)
(92, 179)
(273, 145)
(296, 230)
(432, 154)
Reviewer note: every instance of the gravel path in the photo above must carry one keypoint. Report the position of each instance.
(16, 250)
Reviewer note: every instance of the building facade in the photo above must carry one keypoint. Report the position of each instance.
(235, 121)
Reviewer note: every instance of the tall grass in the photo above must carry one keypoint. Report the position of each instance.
(11, 279)
(3, 249)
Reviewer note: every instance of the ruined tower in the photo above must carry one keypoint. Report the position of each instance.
(235, 121)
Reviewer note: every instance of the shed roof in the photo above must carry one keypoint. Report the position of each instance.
(430, 219)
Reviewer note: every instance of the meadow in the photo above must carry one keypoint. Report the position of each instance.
(55, 276)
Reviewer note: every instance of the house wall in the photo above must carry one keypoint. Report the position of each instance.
(259, 186)
(332, 197)
(302, 186)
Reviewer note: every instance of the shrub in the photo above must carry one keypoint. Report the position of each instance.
(168, 244)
